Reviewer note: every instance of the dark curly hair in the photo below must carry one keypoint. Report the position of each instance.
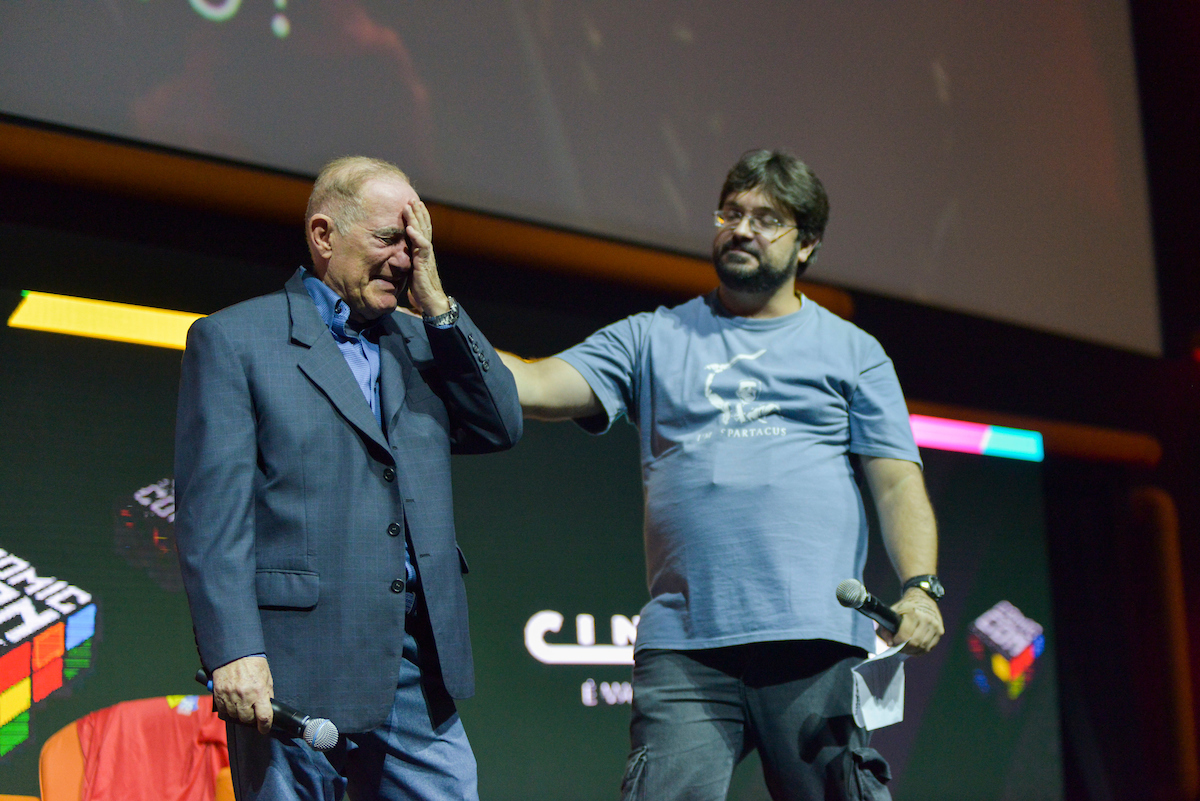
(789, 183)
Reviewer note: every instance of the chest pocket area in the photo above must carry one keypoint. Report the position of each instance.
(740, 461)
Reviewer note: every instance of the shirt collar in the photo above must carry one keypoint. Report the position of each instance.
(334, 311)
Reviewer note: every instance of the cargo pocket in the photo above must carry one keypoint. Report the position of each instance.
(633, 784)
(868, 776)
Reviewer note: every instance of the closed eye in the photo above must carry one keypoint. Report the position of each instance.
(389, 236)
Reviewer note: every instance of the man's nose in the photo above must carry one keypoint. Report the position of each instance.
(743, 229)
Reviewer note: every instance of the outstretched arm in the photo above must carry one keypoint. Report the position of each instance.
(551, 389)
(910, 535)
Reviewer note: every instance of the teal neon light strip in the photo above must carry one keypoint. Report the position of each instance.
(1014, 443)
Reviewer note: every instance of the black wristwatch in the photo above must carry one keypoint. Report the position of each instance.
(933, 588)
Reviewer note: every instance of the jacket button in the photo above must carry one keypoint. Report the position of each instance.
(394, 529)
(398, 586)
(389, 474)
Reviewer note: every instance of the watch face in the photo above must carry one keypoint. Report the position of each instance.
(930, 584)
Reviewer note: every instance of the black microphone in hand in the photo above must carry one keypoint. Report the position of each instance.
(319, 733)
(853, 594)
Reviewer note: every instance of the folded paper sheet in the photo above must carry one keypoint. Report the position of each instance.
(879, 689)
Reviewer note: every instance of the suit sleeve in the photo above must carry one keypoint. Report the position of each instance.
(215, 465)
(481, 394)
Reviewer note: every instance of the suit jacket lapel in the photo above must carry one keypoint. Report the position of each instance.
(325, 365)
(395, 364)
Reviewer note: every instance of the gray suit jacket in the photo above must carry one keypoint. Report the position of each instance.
(292, 503)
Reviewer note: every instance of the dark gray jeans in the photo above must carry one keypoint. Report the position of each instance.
(696, 714)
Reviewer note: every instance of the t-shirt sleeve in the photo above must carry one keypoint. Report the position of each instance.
(879, 423)
(608, 360)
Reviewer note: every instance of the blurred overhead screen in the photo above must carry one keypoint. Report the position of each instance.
(980, 157)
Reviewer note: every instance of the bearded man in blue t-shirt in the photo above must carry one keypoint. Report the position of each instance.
(749, 402)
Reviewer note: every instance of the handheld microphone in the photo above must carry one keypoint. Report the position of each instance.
(853, 594)
(319, 733)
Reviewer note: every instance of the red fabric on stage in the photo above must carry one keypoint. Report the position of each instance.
(154, 749)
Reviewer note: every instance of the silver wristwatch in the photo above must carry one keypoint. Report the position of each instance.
(444, 320)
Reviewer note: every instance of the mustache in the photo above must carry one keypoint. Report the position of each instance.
(730, 247)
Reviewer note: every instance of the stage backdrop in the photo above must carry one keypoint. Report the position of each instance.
(92, 612)
(984, 157)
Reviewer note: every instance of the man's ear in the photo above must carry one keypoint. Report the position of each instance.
(320, 235)
(804, 253)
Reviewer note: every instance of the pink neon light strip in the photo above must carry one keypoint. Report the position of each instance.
(948, 435)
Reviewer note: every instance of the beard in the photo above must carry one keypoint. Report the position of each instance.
(735, 271)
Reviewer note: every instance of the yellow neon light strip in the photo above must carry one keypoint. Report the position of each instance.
(101, 319)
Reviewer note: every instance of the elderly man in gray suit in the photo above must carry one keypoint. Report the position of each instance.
(315, 520)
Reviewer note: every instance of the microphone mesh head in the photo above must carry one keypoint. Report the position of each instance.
(851, 593)
(320, 733)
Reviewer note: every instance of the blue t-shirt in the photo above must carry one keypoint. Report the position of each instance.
(746, 430)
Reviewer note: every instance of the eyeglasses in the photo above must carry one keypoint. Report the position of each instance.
(767, 226)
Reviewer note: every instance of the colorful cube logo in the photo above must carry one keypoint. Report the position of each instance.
(1010, 643)
(46, 630)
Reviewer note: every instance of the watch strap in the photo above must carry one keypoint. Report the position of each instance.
(929, 583)
(446, 319)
